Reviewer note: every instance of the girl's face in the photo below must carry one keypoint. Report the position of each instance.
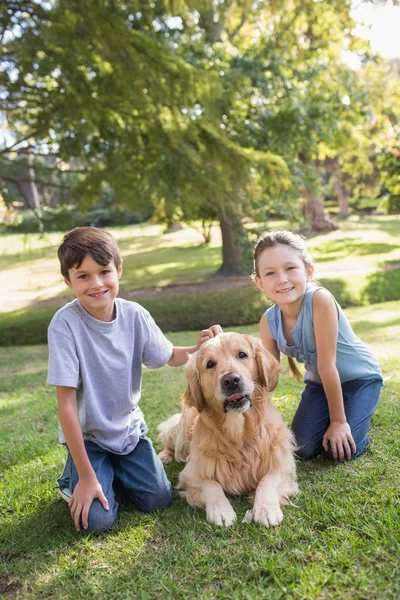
(283, 276)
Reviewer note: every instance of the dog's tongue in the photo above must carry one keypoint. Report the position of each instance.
(234, 397)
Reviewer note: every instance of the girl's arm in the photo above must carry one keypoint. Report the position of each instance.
(88, 487)
(338, 433)
(268, 343)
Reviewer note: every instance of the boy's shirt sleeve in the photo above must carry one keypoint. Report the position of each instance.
(157, 349)
(63, 368)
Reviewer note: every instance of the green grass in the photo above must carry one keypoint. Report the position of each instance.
(341, 541)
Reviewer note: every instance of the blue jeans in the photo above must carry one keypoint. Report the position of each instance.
(360, 398)
(138, 475)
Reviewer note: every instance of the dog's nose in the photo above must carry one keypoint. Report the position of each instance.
(231, 381)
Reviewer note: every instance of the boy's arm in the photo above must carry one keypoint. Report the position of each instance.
(180, 354)
(88, 487)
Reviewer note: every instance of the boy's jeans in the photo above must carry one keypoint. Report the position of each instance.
(311, 420)
(139, 475)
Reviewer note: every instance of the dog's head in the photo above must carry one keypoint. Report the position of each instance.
(228, 372)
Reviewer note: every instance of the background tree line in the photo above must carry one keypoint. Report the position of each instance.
(198, 110)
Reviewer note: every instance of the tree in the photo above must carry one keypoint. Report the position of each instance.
(99, 81)
(188, 103)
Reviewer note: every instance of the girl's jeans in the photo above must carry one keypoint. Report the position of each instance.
(139, 475)
(311, 420)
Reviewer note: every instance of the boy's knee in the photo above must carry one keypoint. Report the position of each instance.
(161, 498)
(100, 520)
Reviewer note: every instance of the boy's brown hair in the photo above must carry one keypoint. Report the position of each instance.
(83, 241)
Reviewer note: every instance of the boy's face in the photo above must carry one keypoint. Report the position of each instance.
(96, 287)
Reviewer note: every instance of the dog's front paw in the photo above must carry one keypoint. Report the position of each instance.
(165, 456)
(267, 515)
(221, 515)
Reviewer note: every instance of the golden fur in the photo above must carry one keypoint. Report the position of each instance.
(244, 450)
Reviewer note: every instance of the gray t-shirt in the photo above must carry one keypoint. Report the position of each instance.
(103, 361)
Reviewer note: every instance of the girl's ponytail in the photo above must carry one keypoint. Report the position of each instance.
(294, 369)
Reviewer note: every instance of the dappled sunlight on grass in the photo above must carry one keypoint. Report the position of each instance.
(173, 265)
(153, 258)
(375, 313)
(95, 559)
(343, 247)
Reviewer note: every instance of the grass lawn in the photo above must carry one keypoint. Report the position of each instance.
(340, 541)
(29, 269)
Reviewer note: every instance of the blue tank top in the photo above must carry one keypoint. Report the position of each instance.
(353, 359)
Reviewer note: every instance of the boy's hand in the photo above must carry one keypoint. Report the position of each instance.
(338, 435)
(207, 334)
(81, 501)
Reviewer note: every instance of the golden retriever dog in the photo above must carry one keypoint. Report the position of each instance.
(232, 438)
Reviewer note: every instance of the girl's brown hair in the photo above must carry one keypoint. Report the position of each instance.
(272, 239)
(83, 241)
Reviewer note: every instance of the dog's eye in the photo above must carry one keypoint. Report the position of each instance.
(242, 354)
(210, 364)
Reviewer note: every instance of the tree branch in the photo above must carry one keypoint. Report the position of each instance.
(238, 27)
(9, 148)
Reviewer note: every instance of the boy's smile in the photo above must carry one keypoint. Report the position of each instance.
(96, 287)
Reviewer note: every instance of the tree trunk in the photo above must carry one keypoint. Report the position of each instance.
(28, 189)
(314, 211)
(343, 198)
(232, 251)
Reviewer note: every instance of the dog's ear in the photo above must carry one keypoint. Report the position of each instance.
(268, 366)
(193, 395)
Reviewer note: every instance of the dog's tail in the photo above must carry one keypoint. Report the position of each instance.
(169, 434)
(175, 435)
(169, 423)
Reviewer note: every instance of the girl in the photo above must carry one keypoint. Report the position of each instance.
(343, 379)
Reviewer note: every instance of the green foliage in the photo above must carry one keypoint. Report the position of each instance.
(390, 173)
(339, 288)
(230, 307)
(207, 111)
(29, 325)
(382, 287)
(65, 217)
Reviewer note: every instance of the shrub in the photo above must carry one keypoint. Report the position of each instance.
(229, 307)
(339, 289)
(382, 286)
(25, 327)
(64, 218)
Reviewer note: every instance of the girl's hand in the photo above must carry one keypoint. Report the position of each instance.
(338, 435)
(81, 501)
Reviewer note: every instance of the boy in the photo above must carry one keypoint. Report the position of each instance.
(97, 345)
